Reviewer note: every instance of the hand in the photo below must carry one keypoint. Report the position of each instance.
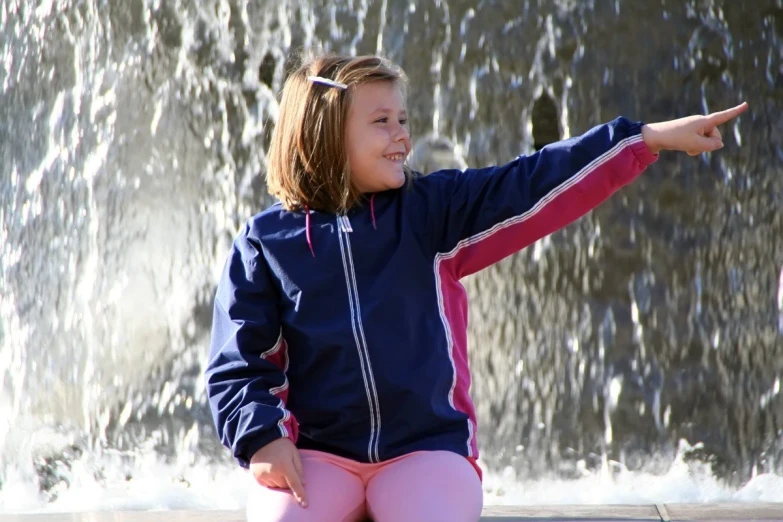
(277, 465)
(693, 134)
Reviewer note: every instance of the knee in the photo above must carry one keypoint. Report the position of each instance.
(274, 505)
(426, 487)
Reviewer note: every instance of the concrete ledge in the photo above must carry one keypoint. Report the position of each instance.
(633, 513)
(767, 512)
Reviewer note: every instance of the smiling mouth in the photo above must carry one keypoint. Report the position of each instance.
(395, 157)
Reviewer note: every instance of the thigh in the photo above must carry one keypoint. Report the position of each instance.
(426, 486)
(333, 495)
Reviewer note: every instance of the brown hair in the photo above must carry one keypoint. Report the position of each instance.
(308, 164)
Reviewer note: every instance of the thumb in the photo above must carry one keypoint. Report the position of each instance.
(294, 482)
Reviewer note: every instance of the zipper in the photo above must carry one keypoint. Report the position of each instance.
(345, 223)
(343, 229)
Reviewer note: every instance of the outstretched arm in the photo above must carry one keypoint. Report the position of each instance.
(479, 216)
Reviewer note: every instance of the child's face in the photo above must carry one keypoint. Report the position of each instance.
(376, 137)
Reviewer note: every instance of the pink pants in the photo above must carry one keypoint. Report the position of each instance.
(422, 486)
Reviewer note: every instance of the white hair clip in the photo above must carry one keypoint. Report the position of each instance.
(327, 82)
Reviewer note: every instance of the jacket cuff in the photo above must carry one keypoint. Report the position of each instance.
(640, 149)
(247, 450)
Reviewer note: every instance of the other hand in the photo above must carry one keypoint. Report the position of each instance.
(278, 465)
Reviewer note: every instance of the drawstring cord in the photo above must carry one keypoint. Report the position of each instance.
(307, 230)
(372, 211)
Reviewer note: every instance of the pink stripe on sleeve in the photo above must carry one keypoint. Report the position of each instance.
(278, 355)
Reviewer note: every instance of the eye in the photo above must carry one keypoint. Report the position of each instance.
(382, 120)
(404, 121)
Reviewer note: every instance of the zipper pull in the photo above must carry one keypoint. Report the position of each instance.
(346, 224)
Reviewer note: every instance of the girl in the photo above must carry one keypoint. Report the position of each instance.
(338, 365)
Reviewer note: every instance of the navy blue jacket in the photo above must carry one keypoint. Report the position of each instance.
(361, 349)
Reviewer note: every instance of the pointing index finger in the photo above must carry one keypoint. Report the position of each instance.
(717, 118)
(295, 485)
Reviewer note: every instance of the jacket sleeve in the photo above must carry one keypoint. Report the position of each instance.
(480, 216)
(245, 375)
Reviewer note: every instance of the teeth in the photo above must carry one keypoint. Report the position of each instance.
(396, 157)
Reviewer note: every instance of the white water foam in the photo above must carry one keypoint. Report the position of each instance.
(142, 481)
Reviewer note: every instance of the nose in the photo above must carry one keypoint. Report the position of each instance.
(402, 134)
